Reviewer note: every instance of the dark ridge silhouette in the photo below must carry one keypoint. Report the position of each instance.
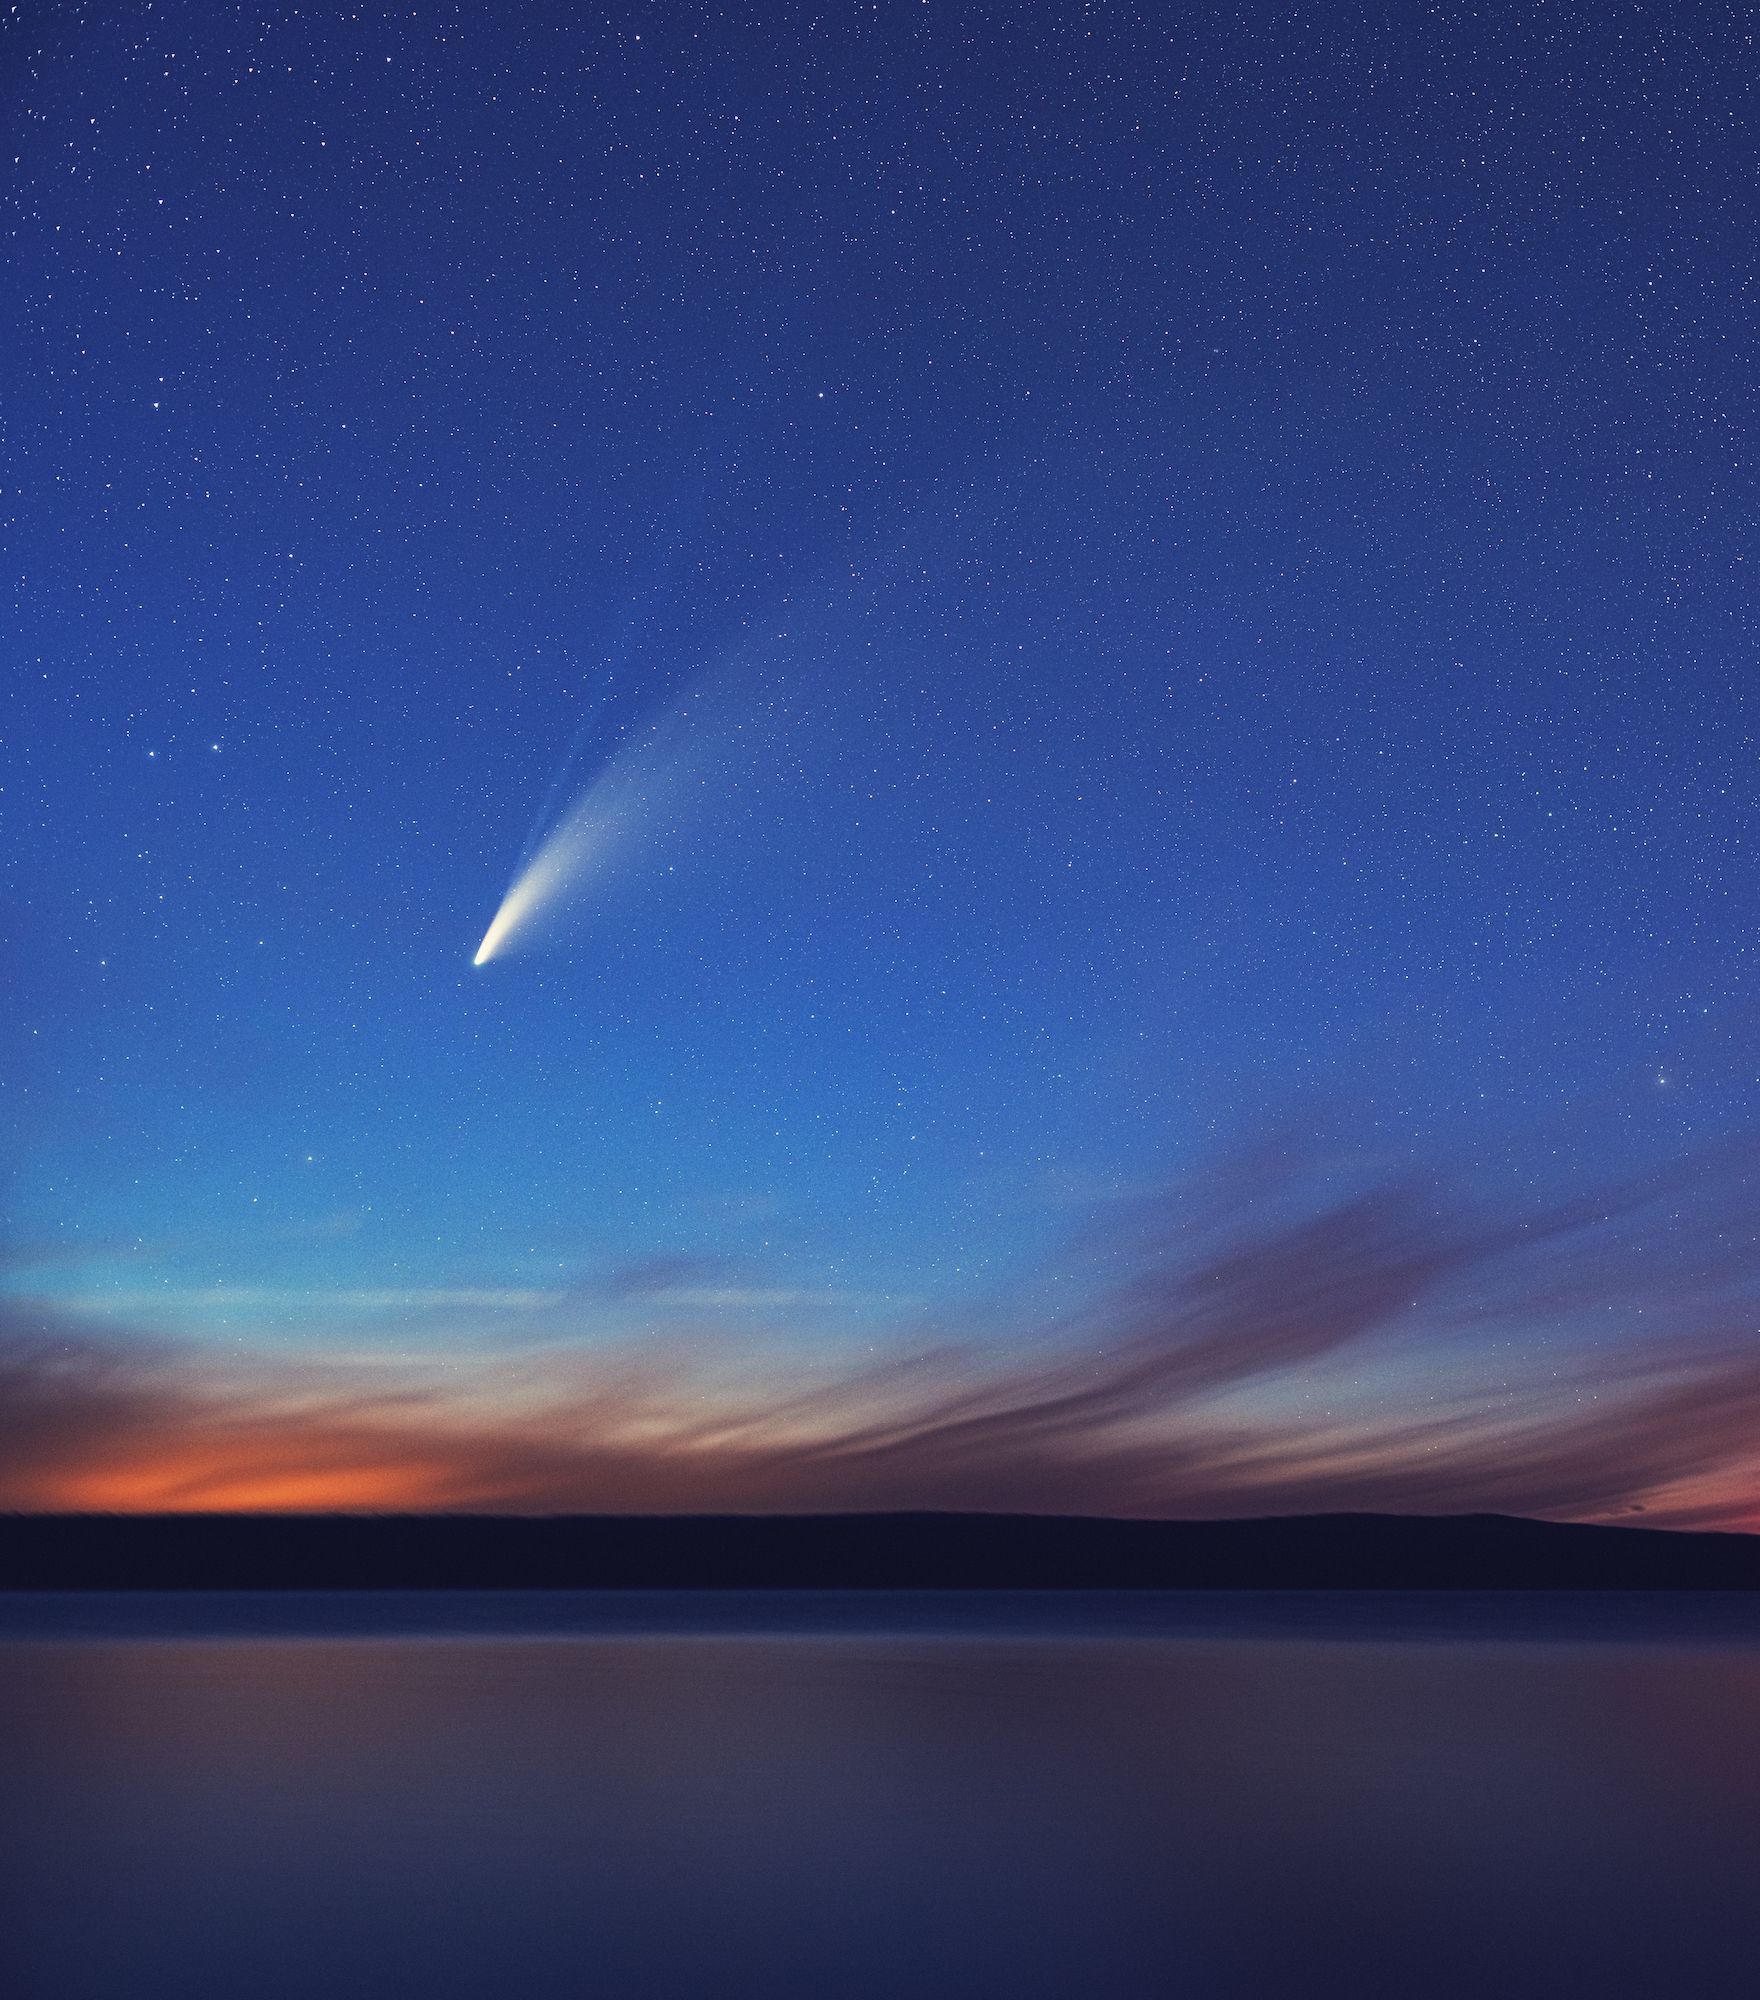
(855, 1552)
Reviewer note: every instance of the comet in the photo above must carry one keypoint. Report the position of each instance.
(625, 798)
(561, 861)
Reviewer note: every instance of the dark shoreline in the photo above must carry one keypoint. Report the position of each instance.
(856, 1552)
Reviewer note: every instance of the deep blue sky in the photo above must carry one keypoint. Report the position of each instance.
(1194, 574)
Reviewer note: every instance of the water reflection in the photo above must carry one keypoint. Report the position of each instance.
(969, 1810)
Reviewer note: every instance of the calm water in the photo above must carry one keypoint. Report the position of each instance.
(446, 1796)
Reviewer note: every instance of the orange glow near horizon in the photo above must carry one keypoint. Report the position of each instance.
(168, 1490)
(371, 1470)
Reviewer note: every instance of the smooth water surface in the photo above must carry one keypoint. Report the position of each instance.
(779, 1796)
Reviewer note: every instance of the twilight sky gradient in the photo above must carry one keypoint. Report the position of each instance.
(1109, 653)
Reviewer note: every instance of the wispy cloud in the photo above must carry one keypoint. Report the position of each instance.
(314, 1301)
(1224, 1358)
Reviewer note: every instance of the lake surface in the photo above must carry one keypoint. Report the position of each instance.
(987, 1795)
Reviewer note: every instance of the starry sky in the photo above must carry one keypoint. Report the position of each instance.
(1101, 659)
